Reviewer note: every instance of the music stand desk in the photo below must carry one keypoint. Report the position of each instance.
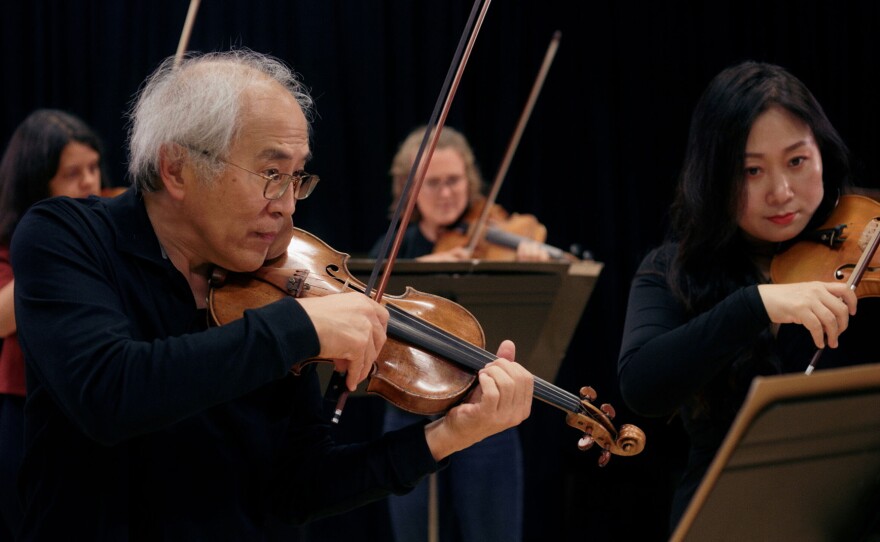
(800, 462)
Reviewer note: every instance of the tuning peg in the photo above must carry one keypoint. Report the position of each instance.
(604, 458)
(608, 410)
(586, 441)
(588, 393)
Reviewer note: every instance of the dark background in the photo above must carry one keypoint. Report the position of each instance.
(596, 163)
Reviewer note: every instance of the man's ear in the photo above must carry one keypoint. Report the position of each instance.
(172, 169)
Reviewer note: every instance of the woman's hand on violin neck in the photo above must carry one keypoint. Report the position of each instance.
(823, 308)
(503, 399)
(351, 329)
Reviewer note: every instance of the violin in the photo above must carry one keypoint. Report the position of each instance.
(434, 347)
(832, 252)
(844, 248)
(501, 236)
(112, 191)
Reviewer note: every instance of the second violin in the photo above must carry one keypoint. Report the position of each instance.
(501, 236)
(450, 212)
(833, 251)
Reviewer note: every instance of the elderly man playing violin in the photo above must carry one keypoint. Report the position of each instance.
(145, 422)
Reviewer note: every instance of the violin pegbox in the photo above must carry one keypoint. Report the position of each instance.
(597, 428)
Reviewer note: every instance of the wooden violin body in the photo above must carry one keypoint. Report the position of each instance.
(502, 234)
(112, 191)
(434, 346)
(425, 383)
(832, 252)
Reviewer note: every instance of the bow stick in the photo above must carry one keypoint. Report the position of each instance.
(187, 30)
(417, 174)
(477, 229)
(853, 282)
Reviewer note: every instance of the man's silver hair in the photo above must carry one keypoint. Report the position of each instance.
(196, 106)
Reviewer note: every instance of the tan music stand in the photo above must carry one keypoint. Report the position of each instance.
(536, 304)
(800, 462)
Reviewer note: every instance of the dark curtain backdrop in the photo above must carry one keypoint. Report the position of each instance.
(596, 163)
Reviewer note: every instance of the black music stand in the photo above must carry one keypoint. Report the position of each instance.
(800, 462)
(536, 304)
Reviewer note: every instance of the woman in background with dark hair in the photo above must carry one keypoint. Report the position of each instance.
(51, 153)
(763, 166)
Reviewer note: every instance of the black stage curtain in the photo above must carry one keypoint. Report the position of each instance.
(609, 126)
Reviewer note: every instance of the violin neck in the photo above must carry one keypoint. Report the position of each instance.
(406, 327)
(512, 241)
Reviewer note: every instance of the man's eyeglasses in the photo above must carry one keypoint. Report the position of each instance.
(302, 181)
(277, 183)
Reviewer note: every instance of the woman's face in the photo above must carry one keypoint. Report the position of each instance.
(783, 178)
(444, 193)
(79, 172)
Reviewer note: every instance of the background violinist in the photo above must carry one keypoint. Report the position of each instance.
(51, 153)
(480, 494)
(451, 194)
(763, 166)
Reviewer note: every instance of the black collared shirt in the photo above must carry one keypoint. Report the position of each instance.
(143, 422)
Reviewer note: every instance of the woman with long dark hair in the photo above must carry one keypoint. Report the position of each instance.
(763, 166)
(51, 153)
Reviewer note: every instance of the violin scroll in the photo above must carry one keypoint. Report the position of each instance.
(597, 428)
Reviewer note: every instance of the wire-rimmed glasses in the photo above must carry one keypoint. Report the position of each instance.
(277, 183)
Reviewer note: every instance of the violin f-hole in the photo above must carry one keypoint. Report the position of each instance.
(844, 272)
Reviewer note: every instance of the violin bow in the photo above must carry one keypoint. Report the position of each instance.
(854, 279)
(187, 30)
(479, 226)
(403, 212)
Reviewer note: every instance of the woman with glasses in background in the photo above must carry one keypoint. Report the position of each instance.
(451, 192)
(480, 493)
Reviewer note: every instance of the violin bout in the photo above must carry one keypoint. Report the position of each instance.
(833, 256)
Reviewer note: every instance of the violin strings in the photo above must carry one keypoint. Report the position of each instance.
(426, 335)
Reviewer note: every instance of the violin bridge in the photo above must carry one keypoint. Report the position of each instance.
(296, 283)
(869, 232)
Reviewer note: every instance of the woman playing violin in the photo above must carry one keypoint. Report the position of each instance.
(763, 166)
(451, 191)
(481, 492)
(51, 153)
